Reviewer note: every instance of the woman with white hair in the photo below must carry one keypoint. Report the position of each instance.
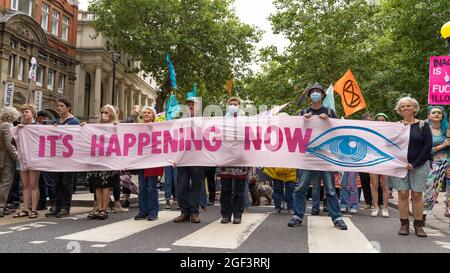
(8, 155)
(102, 181)
(148, 180)
(419, 151)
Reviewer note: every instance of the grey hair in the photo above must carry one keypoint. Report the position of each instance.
(412, 100)
(9, 114)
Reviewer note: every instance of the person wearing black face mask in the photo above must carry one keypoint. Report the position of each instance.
(316, 93)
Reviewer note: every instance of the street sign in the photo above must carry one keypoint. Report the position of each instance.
(439, 90)
(38, 100)
(9, 94)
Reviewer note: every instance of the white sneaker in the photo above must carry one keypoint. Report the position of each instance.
(343, 209)
(353, 210)
(375, 212)
(385, 213)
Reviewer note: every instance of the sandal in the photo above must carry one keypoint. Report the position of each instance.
(33, 214)
(21, 214)
(93, 215)
(103, 215)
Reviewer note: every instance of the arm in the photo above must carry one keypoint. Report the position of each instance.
(425, 152)
(9, 147)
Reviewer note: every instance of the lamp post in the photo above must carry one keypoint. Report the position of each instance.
(115, 59)
(445, 32)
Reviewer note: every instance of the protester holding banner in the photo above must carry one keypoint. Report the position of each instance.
(102, 181)
(30, 178)
(419, 150)
(189, 179)
(232, 179)
(64, 181)
(8, 156)
(379, 180)
(316, 93)
(437, 119)
(148, 180)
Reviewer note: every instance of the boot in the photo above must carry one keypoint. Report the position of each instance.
(118, 207)
(418, 224)
(404, 229)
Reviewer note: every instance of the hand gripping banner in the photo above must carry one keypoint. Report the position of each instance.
(272, 141)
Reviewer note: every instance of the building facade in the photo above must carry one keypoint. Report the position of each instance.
(46, 30)
(95, 75)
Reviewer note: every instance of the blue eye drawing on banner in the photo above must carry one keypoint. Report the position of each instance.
(350, 150)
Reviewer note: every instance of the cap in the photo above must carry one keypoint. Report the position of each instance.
(315, 86)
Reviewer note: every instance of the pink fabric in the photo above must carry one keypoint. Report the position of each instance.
(219, 141)
(439, 91)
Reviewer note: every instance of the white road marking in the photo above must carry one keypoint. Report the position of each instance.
(443, 244)
(98, 245)
(5, 232)
(217, 235)
(163, 249)
(112, 232)
(323, 237)
(37, 242)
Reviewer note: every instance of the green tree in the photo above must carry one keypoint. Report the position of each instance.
(207, 42)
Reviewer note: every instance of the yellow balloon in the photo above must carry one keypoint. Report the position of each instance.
(445, 30)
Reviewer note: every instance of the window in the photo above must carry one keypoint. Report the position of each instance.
(23, 48)
(13, 44)
(14, 4)
(65, 28)
(40, 75)
(44, 18)
(26, 6)
(50, 79)
(11, 65)
(55, 23)
(21, 74)
(61, 80)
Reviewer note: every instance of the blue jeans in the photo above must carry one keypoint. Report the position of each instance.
(301, 193)
(349, 191)
(316, 194)
(148, 195)
(170, 178)
(188, 189)
(283, 189)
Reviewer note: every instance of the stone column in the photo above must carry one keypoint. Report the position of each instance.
(78, 104)
(109, 92)
(121, 103)
(139, 98)
(95, 106)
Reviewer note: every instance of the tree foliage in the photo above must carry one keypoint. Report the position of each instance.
(387, 44)
(207, 42)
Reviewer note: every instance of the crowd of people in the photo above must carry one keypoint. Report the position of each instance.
(427, 172)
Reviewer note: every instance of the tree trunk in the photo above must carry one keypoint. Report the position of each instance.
(161, 98)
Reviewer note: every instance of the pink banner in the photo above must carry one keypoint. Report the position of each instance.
(291, 142)
(439, 91)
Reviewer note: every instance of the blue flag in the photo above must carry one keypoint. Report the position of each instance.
(172, 107)
(193, 93)
(329, 99)
(173, 79)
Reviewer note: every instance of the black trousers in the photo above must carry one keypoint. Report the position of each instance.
(64, 190)
(232, 197)
(210, 173)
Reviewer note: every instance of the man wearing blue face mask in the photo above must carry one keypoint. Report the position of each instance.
(316, 93)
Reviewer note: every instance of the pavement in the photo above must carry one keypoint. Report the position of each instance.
(437, 217)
